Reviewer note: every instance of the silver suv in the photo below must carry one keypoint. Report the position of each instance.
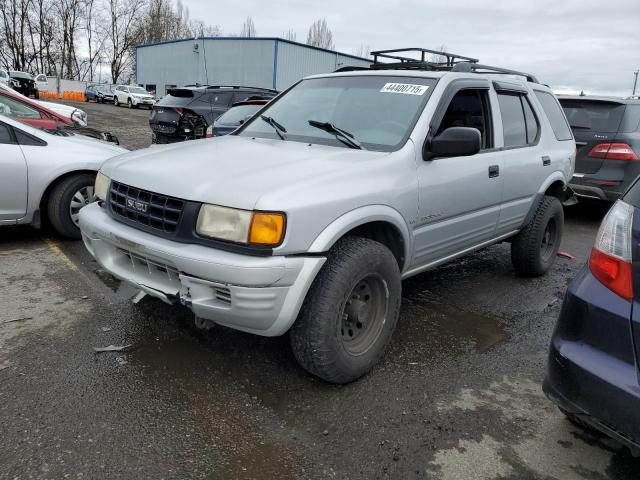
(307, 218)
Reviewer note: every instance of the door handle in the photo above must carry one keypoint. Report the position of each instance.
(494, 171)
(546, 160)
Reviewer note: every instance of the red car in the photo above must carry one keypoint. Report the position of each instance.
(28, 111)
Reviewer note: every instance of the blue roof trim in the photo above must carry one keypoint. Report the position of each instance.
(276, 39)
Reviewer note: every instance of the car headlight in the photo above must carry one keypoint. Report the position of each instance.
(242, 226)
(101, 188)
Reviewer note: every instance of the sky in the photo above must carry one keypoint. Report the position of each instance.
(572, 45)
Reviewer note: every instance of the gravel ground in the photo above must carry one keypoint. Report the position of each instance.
(457, 395)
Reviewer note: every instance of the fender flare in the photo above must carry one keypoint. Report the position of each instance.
(554, 177)
(360, 216)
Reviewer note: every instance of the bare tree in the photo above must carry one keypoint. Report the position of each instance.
(362, 51)
(248, 28)
(14, 27)
(122, 34)
(319, 35)
(290, 35)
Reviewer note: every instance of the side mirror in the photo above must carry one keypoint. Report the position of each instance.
(454, 142)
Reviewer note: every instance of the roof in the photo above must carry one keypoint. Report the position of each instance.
(600, 98)
(276, 39)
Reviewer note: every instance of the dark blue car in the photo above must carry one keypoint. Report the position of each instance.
(593, 373)
(236, 116)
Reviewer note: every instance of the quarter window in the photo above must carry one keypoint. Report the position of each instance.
(555, 115)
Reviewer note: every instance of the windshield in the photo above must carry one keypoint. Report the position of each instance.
(103, 89)
(239, 113)
(378, 111)
(138, 90)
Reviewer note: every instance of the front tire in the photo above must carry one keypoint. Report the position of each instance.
(129, 103)
(66, 200)
(116, 102)
(534, 249)
(350, 311)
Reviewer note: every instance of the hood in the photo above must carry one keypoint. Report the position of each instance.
(58, 108)
(234, 171)
(93, 145)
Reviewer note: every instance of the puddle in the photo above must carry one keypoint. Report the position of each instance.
(431, 326)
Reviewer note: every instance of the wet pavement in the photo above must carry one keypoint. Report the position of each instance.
(457, 395)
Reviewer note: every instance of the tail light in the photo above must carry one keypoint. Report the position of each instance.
(610, 260)
(209, 132)
(613, 151)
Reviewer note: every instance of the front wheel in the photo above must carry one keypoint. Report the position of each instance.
(129, 104)
(116, 102)
(66, 199)
(534, 249)
(350, 311)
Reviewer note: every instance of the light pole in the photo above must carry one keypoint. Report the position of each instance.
(635, 83)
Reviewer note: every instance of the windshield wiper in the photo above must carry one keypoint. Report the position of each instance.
(342, 135)
(280, 130)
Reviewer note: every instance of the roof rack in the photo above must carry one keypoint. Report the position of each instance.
(449, 62)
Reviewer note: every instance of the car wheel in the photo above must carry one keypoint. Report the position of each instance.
(350, 311)
(116, 102)
(129, 104)
(66, 200)
(534, 249)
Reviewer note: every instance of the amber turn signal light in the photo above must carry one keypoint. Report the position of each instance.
(266, 228)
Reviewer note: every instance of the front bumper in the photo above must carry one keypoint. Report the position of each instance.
(591, 369)
(260, 295)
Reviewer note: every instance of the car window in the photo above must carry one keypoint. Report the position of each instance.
(514, 125)
(533, 126)
(555, 115)
(3, 74)
(5, 135)
(239, 113)
(14, 108)
(138, 91)
(631, 119)
(468, 108)
(41, 78)
(590, 115)
(379, 111)
(217, 99)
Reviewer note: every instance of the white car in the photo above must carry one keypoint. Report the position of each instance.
(78, 116)
(4, 77)
(132, 96)
(47, 175)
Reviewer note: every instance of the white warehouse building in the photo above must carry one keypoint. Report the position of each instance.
(256, 62)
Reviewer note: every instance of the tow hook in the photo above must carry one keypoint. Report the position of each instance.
(203, 323)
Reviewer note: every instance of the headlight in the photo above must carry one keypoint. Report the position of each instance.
(101, 188)
(242, 226)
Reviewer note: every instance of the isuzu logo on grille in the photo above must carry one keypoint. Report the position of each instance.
(137, 205)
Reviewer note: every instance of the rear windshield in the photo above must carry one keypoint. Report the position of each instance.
(239, 113)
(174, 101)
(596, 116)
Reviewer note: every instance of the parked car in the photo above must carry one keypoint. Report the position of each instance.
(306, 219)
(99, 94)
(70, 115)
(607, 133)
(132, 96)
(186, 113)
(36, 114)
(236, 116)
(4, 77)
(46, 176)
(41, 82)
(23, 83)
(592, 372)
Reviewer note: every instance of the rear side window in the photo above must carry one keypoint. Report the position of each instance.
(217, 99)
(631, 119)
(594, 116)
(5, 135)
(555, 115)
(514, 125)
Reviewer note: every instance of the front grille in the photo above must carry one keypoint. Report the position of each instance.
(145, 208)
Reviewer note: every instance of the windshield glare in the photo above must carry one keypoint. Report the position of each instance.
(379, 111)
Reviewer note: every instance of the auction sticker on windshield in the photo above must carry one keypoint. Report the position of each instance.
(406, 88)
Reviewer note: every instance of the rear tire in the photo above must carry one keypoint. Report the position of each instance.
(534, 249)
(60, 203)
(350, 311)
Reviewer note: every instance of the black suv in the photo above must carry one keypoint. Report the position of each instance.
(188, 113)
(607, 133)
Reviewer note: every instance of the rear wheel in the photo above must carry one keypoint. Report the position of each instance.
(534, 249)
(66, 199)
(350, 311)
